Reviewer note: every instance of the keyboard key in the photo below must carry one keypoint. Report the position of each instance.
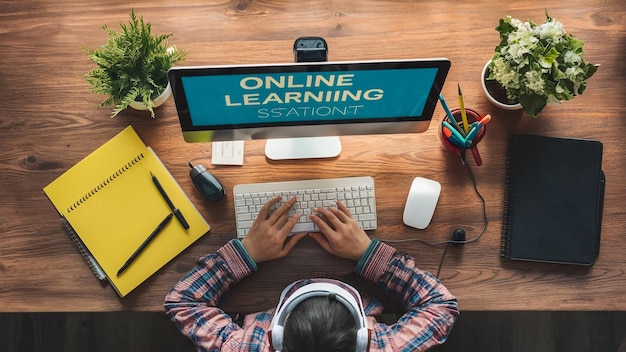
(304, 227)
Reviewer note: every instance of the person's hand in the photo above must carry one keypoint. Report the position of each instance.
(268, 238)
(339, 233)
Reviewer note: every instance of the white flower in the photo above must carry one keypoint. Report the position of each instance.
(572, 73)
(505, 74)
(551, 29)
(517, 52)
(571, 57)
(521, 27)
(534, 82)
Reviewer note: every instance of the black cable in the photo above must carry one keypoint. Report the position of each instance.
(447, 242)
(445, 250)
(485, 221)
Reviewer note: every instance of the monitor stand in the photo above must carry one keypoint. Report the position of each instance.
(302, 148)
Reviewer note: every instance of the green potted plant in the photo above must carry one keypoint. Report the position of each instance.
(132, 67)
(535, 65)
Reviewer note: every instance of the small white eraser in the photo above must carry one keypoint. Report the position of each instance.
(227, 153)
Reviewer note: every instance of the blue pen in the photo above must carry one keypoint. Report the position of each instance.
(452, 135)
(450, 116)
(476, 126)
(472, 133)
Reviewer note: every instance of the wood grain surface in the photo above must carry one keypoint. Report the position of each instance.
(49, 121)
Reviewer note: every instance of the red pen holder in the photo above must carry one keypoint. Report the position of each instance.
(472, 116)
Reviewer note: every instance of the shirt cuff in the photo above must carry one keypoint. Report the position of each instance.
(374, 261)
(238, 259)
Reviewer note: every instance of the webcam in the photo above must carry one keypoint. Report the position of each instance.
(310, 49)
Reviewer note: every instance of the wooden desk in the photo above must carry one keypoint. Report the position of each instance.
(48, 122)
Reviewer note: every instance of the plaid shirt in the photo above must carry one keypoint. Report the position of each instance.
(431, 309)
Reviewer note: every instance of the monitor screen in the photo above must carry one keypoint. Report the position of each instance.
(223, 103)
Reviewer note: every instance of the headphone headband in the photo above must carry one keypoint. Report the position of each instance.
(345, 294)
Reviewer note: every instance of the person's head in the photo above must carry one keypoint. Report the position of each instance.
(320, 317)
(320, 324)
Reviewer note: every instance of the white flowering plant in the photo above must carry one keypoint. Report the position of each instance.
(538, 64)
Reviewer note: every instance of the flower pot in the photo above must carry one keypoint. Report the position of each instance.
(138, 105)
(497, 98)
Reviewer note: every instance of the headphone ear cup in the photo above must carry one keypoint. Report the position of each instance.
(363, 340)
(276, 337)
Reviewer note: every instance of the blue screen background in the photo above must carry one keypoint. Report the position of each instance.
(405, 94)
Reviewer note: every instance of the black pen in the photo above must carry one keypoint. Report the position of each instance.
(176, 211)
(146, 242)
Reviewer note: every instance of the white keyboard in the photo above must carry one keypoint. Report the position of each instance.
(357, 193)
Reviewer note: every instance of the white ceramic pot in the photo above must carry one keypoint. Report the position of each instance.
(158, 101)
(495, 102)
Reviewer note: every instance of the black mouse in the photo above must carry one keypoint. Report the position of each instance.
(206, 183)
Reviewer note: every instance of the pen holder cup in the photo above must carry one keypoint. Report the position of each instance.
(472, 116)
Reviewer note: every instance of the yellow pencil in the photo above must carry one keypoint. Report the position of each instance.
(463, 113)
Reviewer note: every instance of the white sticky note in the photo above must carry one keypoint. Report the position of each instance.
(227, 153)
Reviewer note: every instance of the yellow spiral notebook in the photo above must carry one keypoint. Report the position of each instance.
(109, 205)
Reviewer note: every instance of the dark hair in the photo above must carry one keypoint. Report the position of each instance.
(320, 324)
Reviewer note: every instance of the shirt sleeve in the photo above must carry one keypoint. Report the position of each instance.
(192, 303)
(431, 308)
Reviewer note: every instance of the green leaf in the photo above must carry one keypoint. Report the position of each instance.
(533, 104)
(550, 57)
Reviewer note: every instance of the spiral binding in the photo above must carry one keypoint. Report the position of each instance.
(509, 196)
(91, 261)
(104, 183)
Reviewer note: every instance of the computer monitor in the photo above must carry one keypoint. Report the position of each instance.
(292, 105)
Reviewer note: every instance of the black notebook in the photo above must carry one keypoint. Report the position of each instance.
(554, 191)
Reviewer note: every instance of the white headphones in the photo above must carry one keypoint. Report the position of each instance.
(345, 294)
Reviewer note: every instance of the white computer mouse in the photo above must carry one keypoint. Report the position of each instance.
(421, 202)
